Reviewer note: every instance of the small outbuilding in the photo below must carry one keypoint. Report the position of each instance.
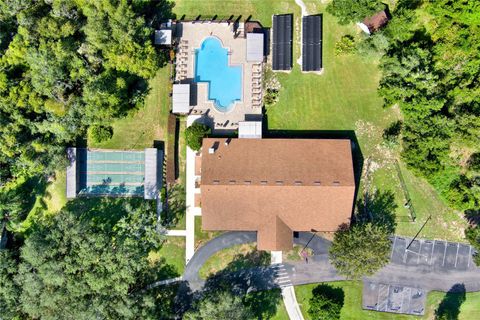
(375, 22)
(163, 37)
(254, 47)
(181, 98)
(250, 129)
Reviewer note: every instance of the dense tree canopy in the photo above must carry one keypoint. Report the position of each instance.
(86, 265)
(66, 64)
(361, 250)
(354, 11)
(222, 306)
(431, 70)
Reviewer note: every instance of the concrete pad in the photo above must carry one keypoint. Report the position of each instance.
(393, 298)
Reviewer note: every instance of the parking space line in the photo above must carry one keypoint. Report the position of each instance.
(469, 256)
(444, 253)
(456, 257)
(393, 247)
(419, 252)
(431, 255)
(405, 252)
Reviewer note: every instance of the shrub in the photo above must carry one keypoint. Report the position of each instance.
(345, 45)
(100, 133)
(391, 133)
(326, 303)
(194, 135)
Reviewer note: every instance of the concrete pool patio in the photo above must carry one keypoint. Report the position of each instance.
(191, 35)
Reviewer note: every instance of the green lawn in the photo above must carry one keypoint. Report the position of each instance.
(201, 236)
(352, 308)
(141, 127)
(173, 251)
(235, 258)
(344, 97)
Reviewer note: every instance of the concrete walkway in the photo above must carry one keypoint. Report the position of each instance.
(303, 7)
(176, 233)
(190, 199)
(288, 291)
(291, 304)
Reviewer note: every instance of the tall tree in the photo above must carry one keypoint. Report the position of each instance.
(354, 11)
(219, 307)
(72, 267)
(360, 251)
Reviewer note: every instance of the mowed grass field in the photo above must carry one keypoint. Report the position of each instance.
(344, 98)
(352, 307)
(141, 127)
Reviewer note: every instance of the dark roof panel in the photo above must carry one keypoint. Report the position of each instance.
(282, 42)
(312, 43)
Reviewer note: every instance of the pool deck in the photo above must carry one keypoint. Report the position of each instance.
(192, 36)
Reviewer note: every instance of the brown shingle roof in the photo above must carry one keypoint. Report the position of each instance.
(276, 186)
(376, 21)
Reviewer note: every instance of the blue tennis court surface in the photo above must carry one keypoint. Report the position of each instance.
(111, 172)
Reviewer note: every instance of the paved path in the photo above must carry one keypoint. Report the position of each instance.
(319, 269)
(223, 241)
(190, 199)
(176, 233)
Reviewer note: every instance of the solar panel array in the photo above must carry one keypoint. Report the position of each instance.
(282, 42)
(312, 43)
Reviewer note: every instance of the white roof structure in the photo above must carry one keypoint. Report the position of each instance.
(153, 179)
(181, 98)
(250, 129)
(163, 37)
(254, 47)
(72, 173)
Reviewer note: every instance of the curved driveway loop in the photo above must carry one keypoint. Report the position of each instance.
(431, 272)
(221, 242)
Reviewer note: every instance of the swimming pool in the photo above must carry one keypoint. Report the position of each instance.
(224, 81)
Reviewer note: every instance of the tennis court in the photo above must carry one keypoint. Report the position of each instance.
(115, 172)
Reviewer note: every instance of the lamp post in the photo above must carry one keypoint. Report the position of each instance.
(429, 217)
(313, 235)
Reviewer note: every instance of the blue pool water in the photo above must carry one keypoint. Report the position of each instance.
(225, 82)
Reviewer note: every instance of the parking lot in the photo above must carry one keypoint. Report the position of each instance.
(395, 299)
(436, 253)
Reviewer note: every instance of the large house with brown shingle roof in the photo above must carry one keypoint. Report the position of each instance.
(275, 187)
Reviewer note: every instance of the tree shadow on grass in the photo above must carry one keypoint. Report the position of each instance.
(378, 208)
(103, 212)
(175, 208)
(250, 277)
(449, 307)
